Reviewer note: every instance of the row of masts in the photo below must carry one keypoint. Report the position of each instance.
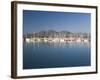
(53, 36)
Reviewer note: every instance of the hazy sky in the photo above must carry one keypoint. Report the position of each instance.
(34, 21)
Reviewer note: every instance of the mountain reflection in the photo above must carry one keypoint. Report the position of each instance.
(56, 44)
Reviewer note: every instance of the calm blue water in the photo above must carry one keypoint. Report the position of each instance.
(52, 55)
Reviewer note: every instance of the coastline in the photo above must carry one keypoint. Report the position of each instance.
(69, 40)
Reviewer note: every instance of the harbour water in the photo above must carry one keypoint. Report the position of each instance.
(39, 55)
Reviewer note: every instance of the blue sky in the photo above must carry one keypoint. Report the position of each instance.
(35, 21)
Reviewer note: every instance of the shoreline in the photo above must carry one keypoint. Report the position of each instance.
(86, 40)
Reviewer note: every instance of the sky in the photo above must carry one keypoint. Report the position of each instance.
(35, 21)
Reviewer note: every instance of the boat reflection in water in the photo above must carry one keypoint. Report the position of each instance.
(51, 42)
